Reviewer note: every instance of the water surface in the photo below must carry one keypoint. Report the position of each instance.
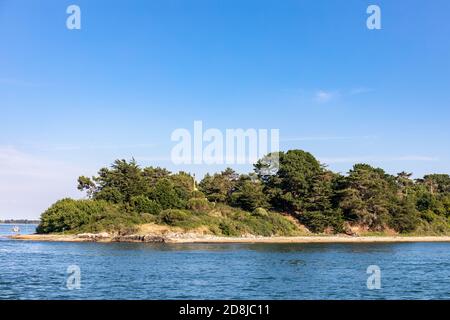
(38, 270)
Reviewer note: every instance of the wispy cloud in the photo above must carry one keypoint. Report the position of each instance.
(153, 158)
(14, 163)
(361, 90)
(29, 184)
(328, 138)
(69, 147)
(323, 96)
(363, 159)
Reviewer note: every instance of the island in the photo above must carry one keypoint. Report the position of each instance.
(302, 201)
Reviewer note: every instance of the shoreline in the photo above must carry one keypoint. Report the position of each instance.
(205, 239)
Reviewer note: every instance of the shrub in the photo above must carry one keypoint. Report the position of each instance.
(229, 228)
(198, 204)
(438, 226)
(173, 216)
(260, 212)
(69, 214)
(198, 194)
(143, 204)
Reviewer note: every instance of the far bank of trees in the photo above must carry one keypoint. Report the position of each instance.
(303, 188)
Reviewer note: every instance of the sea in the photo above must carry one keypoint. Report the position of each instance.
(145, 271)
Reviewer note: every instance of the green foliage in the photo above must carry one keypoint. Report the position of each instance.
(142, 204)
(85, 216)
(125, 195)
(183, 184)
(198, 194)
(173, 217)
(110, 194)
(152, 175)
(320, 221)
(368, 196)
(124, 179)
(86, 184)
(231, 222)
(249, 195)
(404, 216)
(199, 204)
(238, 223)
(291, 185)
(433, 224)
(165, 194)
(218, 188)
(260, 212)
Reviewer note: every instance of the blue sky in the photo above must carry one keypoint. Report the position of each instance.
(72, 101)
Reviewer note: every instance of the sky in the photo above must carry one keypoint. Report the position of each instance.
(72, 101)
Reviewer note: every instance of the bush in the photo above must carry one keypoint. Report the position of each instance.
(438, 226)
(198, 204)
(75, 215)
(229, 228)
(173, 216)
(198, 194)
(238, 223)
(260, 212)
(142, 204)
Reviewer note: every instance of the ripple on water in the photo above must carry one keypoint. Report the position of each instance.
(30, 270)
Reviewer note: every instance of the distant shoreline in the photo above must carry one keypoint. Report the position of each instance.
(102, 238)
(28, 222)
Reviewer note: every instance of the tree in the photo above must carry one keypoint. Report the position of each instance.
(152, 175)
(249, 195)
(437, 183)
(405, 183)
(118, 184)
(291, 185)
(165, 195)
(368, 196)
(405, 217)
(302, 187)
(86, 184)
(219, 187)
(184, 184)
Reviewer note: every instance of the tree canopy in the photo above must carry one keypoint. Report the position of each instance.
(302, 187)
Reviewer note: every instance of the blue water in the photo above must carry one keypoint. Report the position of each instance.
(38, 270)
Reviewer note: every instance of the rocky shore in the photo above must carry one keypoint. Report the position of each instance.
(197, 238)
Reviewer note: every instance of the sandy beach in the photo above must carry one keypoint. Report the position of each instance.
(189, 238)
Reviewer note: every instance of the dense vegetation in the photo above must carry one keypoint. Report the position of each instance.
(228, 203)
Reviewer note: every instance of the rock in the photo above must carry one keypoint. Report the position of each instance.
(140, 238)
(94, 236)
(154, 239)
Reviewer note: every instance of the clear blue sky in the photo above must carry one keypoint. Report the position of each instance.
(72, 101)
